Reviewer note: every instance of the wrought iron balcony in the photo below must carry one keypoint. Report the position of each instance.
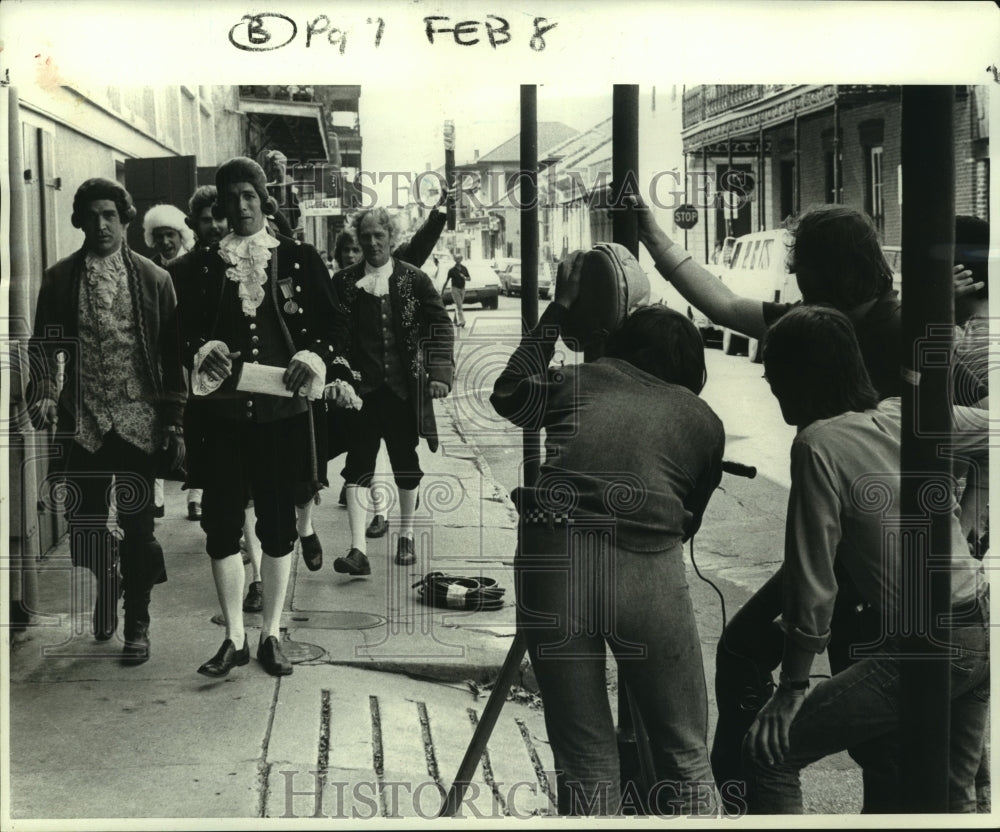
(709, 100)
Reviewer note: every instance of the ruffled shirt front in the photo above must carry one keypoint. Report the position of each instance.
(248, 258)
(104, 275)
(376, 279)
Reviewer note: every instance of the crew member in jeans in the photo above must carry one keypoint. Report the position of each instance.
(845, 466)
(632, 458)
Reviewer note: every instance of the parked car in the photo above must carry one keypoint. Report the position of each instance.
(758, 268)
(483, 285)
(510, 280)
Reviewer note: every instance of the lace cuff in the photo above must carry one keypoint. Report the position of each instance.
(314, 363)
(201, 384)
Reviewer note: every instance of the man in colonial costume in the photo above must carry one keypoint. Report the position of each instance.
(401, 343)
(110, 315)
(264, 301)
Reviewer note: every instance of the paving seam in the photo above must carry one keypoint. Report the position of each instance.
(487, 767)
(378, 752)
(263, 766)
(536, 761)
(430, 755)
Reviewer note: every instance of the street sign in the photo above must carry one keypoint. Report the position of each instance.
(328, 207)
(685, 216)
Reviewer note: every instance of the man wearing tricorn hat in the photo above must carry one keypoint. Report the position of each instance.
(265, 301)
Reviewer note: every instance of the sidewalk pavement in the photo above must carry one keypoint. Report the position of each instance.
(381, 705)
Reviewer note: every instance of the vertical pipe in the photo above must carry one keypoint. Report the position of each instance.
(449, 171)
(928, 228)
(761, 179)
(529, 248)
(730, 213)
(686, 199)
(625, 160)
(21, 461)
(797, 195)
(836, 145)
(625, 169)
(704, 168)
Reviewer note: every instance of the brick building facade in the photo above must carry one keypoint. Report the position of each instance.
(781, 138)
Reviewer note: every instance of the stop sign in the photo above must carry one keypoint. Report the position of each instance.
(685, 216)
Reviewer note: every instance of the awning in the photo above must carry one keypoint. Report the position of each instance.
(296, 128)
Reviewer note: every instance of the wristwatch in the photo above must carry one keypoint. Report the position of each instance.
(791, 685)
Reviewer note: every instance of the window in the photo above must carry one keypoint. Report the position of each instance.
(874, 202)
(734, 259)
(765, 255)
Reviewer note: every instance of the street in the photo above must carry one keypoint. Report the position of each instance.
(386, 691)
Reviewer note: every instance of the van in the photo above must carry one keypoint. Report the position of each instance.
(756, 266)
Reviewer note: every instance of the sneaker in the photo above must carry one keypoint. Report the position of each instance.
(354, 564)
(378, 526)
(404, 551)
(254, 601)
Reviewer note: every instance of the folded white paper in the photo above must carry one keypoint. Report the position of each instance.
(262, 378)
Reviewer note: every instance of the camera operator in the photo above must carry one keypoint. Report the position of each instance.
(631, 418)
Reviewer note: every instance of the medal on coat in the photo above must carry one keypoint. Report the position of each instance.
(287, 292)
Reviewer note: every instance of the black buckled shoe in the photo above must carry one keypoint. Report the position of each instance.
(105, 618)
(254, 602)
(404, 552)
(378, 527)
(226, 659)
(270, 656)
(354, 564)
(194, 510)
(312, 552)
(136, 650)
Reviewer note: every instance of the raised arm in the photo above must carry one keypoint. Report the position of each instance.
(695, 283)
(421, 245)
(521, 392)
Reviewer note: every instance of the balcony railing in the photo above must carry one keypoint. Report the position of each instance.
(709, 100)
(285, 92)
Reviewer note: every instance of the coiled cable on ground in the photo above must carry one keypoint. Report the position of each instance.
(459, 592)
